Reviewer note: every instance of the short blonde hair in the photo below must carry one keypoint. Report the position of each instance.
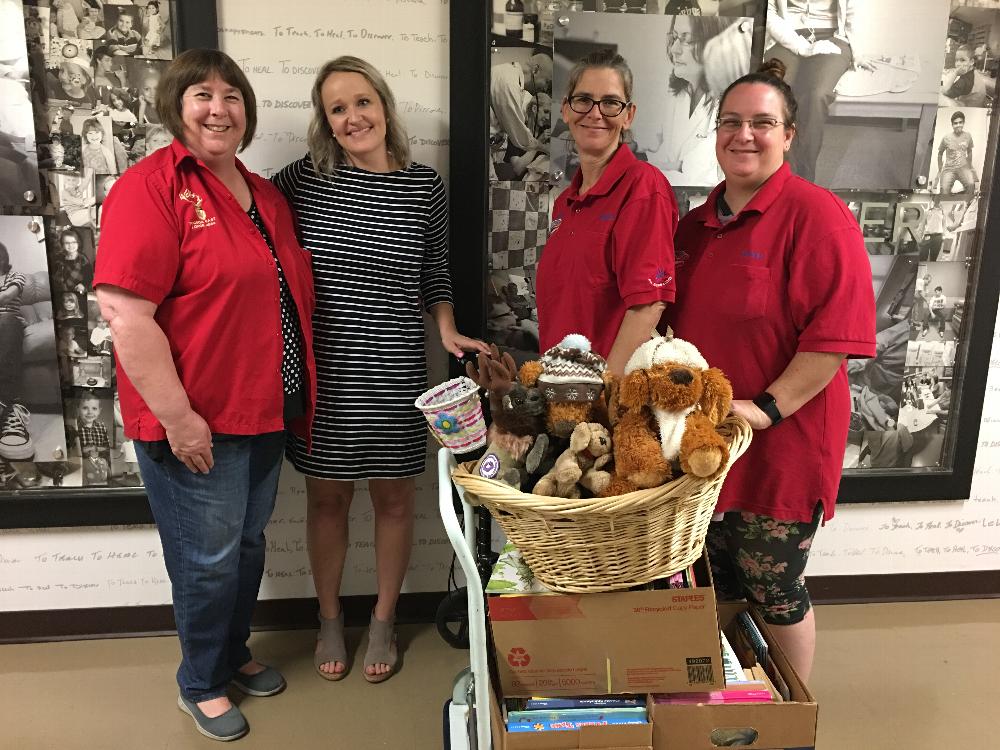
(326, 153)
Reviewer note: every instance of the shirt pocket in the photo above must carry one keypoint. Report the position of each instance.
(591, 257)
(752, 288)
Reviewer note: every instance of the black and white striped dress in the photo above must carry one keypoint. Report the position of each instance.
(380, 257)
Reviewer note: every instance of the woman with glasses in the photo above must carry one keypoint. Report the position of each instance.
(685, 145)
(607, 270)
(774, 289)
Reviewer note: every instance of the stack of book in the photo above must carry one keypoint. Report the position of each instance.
(743, 684)
(555, 714)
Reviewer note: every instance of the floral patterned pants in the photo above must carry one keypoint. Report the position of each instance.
(763, 560)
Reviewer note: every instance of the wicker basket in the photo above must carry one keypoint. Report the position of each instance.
(602, 544)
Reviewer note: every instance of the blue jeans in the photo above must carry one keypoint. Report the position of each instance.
(212, 531)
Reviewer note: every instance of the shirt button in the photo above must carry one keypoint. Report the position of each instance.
(577, 211)
(718, 236)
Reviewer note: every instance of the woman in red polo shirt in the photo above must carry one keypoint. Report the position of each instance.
(607, 270)
(210, 298)
(774, 287)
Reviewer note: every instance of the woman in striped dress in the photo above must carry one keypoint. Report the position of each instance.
(377, 227)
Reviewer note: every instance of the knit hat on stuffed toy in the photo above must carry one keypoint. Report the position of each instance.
(572, 372)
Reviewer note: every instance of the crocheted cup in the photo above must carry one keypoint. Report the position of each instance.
(454, 414)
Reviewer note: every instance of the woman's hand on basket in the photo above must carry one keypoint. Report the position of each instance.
(751, 413)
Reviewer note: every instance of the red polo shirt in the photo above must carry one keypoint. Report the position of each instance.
(173, 233)
(608, 250)
(788, 274)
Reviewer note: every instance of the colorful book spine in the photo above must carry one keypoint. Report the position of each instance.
(574, 714)
(536, 704)
(571, 724)
(716, 696)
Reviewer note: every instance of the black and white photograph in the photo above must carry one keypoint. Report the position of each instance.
(99, 331)
(875, 212)
(519, 218)
(969, 78)
(520, 112)
(938, 307)
(154, 25)
(30, 400)
(110, 73)
(97, 142)
(71, 260)
(959, 151)
(680, 66)
(71, 194)
(36, 29)
(144, 76)
(123, 36)
(71, 82)
(677, 7)
(18, 155)
(867, 98)
(876, 382)
(91, 430)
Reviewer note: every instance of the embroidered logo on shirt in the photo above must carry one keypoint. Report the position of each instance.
(554, 226)
(660, 279)
(204, 220)
(752, 254)
(606, 217)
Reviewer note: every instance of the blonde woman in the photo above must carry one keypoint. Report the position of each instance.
(376, 224)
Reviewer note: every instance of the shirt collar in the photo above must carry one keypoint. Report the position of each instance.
(621, 161)
(180, 152)
(761, 201)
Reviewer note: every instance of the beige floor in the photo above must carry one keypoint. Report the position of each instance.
(887, 676)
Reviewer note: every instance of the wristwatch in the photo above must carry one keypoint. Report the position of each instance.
(765, 402)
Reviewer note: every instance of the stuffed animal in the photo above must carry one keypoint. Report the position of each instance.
(665, 409)
(517, 425)
(580, 465)
(570, 377)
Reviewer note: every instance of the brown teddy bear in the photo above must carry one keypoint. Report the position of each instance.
(570, 377)
(580, 465)
(666, 408)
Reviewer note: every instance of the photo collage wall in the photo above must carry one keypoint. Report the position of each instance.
(89, 75)
(897, 125)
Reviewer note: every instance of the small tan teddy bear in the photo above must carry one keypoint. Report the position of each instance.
(582, 464)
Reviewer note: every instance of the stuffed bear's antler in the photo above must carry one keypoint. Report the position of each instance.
(494, 371)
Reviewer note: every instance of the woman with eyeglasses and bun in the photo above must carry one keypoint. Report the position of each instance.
(774, 287)
(607, 270)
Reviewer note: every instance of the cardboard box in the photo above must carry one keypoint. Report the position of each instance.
(600, 644)
(790, 724)
(621, 737)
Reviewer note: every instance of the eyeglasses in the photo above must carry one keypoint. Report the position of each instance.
(608, 107)
(687, 39)
(757, 124)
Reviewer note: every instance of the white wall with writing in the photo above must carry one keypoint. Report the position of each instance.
(280, 45)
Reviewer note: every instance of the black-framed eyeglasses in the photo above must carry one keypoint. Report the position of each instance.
(608, 107)
(757, 124)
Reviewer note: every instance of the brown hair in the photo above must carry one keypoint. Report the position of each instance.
(602, 58)
(772, 73)
(326, 153)
(194, 66)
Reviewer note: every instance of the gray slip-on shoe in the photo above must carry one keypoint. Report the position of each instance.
(230, 726)
(262, 684)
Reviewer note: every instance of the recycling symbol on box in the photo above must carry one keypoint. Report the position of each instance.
(518, 657)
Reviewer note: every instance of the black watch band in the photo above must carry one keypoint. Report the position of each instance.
(765, 402)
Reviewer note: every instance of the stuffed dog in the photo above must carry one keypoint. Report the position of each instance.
(582, 464)
(665, 409)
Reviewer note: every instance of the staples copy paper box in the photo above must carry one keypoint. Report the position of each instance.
(599, 644)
